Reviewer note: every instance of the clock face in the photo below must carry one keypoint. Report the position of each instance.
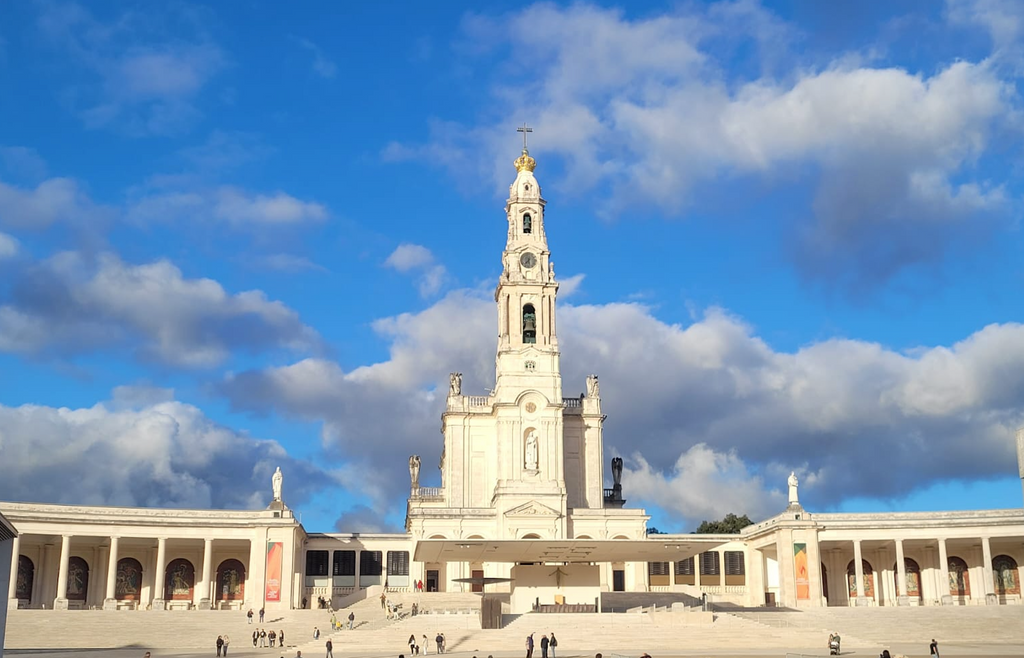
(528, 260)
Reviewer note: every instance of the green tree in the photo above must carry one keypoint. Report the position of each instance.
(730, 525)
(654, 531)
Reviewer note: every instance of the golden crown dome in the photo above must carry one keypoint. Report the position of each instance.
(524, 162)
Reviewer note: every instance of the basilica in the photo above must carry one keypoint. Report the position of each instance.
(524, 509)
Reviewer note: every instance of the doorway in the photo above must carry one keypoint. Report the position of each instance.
(478, 573)
(432, 580)
(618, 580)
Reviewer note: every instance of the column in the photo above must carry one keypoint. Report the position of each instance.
(204, 595)
(814, 567)
(61, 602)
(901, 575)
(109, 602)
(42, 575)
(986, 572)
(858, 568)
(12, 588)
(944, 596)
(159, 578)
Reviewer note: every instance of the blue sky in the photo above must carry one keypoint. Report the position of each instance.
(235, 236)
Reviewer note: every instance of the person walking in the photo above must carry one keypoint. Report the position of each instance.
(316, 633)
(263, 638)
(351, 618)
(227, 641)
(440, 644)
(412, 644)
(280, 639)
(529, 646)
(262, 612)
(220, 644)
(933, 648)
(272, 636)
(383, 601)
(249, 615)
(552, 644)
(255, 638)
(425, 646)
(330, 648)
(544, 646)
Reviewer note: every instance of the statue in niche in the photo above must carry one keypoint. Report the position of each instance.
(455, 384)
(793, 484)
(277, 480)
(531, 451)
(414, 471)
(617, 471)
(593, 387)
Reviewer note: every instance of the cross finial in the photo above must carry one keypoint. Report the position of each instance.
(524, 129)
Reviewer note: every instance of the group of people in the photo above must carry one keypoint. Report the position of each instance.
(418, 648)
(546, 644)
(933, 650)
(222, 645)
(249, 615)
(260, 638)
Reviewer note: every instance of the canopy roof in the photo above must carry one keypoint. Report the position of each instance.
(563, 550)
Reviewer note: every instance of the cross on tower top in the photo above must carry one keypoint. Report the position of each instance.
(524, 129)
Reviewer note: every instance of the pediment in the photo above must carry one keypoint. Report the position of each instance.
(532, 508)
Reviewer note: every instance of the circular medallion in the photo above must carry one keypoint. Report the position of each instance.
(530, 407)
(528, 260)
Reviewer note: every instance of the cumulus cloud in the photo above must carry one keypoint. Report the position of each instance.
(363, 519)
(643, 111)
(69, 304)
(51, 201)
(431, 275)
(145, 450)
(708, 403)
(140, 89)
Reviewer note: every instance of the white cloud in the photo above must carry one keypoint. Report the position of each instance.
(24, 162)
(413, 257)
(290, 263)
(8, 246)
(141, 450)
(569, 286)
(710, 403)
(53, 200)
(144, 77)
(234, 206)
(322, 65)
(644, 112)
(69, 304)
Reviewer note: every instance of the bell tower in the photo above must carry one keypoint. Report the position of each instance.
(527, 356)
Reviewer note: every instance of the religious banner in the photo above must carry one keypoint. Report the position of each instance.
(803, 581)
(275, 558)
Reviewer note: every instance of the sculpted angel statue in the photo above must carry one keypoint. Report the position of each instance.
(593, 388)
(455, 384)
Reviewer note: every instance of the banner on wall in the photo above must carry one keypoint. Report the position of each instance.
(275, 560)
(803, 581)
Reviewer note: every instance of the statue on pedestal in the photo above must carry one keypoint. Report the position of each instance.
(455, 384)
(414, 471)
(277, 481)
(531, 451)
(793, 484)
(617, 471)
(593, 388)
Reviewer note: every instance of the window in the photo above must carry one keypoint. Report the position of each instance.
(529, 324)
(709, 564)
(527, 223)
(344, 563)
(398, 563)
(735, 569)
(316, 563)
(685, 572)
(734, 563)
(657, 573)
(370, 563)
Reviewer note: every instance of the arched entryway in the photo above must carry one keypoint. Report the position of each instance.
(959, 578)
(78, 579)
(25, 579)
(128, 586)
(179, 580)
(230, 581)
(1005, 576)
(868, 584)
(913, 584)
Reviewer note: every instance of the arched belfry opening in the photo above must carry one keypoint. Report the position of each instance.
(527, 223)
(529, 324)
